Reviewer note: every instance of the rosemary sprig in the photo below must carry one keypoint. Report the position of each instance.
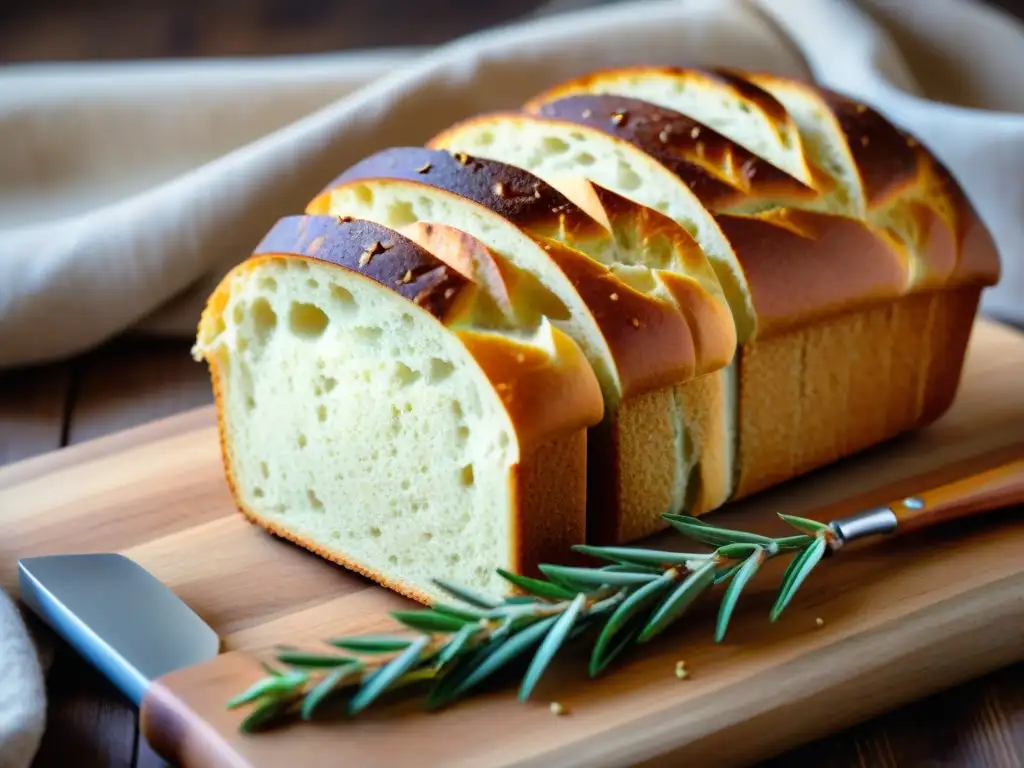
(635, 596)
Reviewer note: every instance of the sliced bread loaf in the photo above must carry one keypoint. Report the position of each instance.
(376, 407)
(634, 333)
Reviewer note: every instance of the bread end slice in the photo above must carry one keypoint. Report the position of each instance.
(364, 417)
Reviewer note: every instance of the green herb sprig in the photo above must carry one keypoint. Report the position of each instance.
(631, 599)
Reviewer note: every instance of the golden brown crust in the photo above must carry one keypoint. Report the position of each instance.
(721, 173)
(375, 251)
(545, 393)
(511, 192)
(718, 76)
(803, 266)
(549, 493)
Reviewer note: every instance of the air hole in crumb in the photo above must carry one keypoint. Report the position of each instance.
(264, 318)
(554, 146)
(439, 370)
(453, 559)
(400, 213)
(466, 475)
(585, 158)
(485, 139)
(364, 194)
(426, 536)
(343, 296)
(302, 441)
(367, 334)
(375, 532)
(238, 314)
(307, 320)
(405, 484)
(463, 433)
(250, 404)
(404, 375)
(328, 383)
(314, 500)
(457, 409)
(407, 321)
(243, 344)
(312, 283)
(407, 407)
(257, 492)
(335, 534)
(264, 470)
(503, 440)
(321, 413)
(268, 284)
(628, 179)
(393, 559)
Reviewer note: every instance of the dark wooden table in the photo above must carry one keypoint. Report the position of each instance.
(128, 382)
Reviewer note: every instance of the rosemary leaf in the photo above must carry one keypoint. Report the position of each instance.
(633, 568)
(372, 643)
(505, 652)
(737, 551)
(788, 543)
(519, 600)
(325, 687)
(627, 555)
(466, 614)
(801, 566)
(629, 607)
(316, 660)
(537, 587)
(466, 595)
(550, 646)
(732, 593)
(678, 601)
(273, 686)
(803, 524)
(715, 537)
(457, 643)
(598, 577)
(428, 621)
(383, 677)
(724, 574)
(265, 714)
(627, 639)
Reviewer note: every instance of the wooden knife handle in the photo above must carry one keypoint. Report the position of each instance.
(992, 489)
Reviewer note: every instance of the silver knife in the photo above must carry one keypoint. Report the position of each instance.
(117, 616)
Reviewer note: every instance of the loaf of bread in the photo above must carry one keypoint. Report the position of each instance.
(648, 290)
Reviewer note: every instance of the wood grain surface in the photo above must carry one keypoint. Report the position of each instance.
(979, 723)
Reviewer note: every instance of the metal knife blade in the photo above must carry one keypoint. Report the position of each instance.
(117, 615)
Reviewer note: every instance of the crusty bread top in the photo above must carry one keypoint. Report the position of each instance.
(721, 173)
(511, 192)
(715, 84)
(377, 252)
(802, 266)
(541, 376)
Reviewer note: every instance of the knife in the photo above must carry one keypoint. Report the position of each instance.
(116, 615)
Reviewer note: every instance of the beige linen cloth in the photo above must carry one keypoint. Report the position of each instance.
(127, 190)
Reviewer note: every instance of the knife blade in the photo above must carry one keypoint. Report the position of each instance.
(118, 616)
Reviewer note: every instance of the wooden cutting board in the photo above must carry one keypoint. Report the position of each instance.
(902, 618)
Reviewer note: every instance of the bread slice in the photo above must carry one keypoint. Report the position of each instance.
(375, 407)
(554, 150)
(723, 100)
(634, 333)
